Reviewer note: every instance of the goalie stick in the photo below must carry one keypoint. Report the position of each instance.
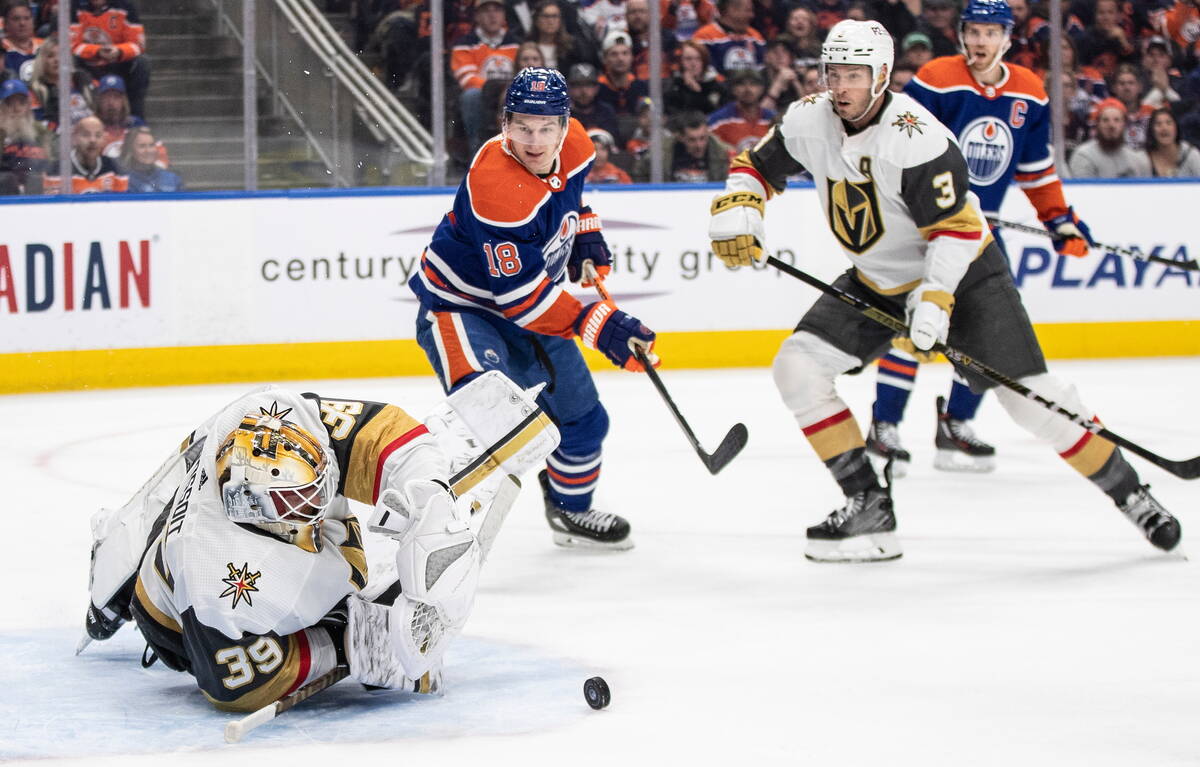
(735, 439)
(1188, 469)
(1136, 255)
(489, 527)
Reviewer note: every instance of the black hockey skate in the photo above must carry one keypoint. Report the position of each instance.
(864, 530)
(1155, 522)
(584, 529)
(958, 449)
(883, 444)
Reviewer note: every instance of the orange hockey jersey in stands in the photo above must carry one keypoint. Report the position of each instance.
(476, 59)
(1181, 23)
(105, 177)
(115, 25)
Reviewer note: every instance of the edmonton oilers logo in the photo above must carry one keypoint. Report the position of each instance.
(987, 145)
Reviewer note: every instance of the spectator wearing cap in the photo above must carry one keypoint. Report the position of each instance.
(781, 76)
(489, 52)
(743, 121)
(619, 86)
(939, 22)
(695, 86)
(732, 43)
(19, 44)
(1108, 42)
(43, 87)
(1108, 155)
(91, 171)
(112, 107)
(108, 38)
(684, 17)
(642, 134)
(582, 86)
(603, 170)
(693, 154)
(637, 20)
(1127, 88)
(139, 158)
(1165, 80)
(916, 50)
(26, 142)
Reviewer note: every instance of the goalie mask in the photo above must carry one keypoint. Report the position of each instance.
(273, 474)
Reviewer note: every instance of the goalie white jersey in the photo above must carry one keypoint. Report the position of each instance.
(895, 192)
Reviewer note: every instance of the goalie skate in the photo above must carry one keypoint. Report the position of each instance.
(589, 529)
(883, 444)
(864, 530)
(958, 449)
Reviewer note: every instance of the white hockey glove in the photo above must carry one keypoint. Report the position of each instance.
(736, 228)
(929, 309)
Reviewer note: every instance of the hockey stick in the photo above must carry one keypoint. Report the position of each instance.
(237, 729)
(1136, 255)
(735, 439)
(1189, 469)
(494, 517)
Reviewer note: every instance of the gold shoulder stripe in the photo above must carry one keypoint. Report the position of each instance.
(965, 221)
(160, 617)
(372, 439)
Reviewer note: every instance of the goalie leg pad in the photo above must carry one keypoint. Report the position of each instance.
(488, 424)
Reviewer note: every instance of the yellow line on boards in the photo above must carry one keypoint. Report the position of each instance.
(172, 366)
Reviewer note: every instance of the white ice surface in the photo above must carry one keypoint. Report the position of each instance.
(1028, 622)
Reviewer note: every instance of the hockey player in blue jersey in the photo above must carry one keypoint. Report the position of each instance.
(1000, 113)
(491, 296)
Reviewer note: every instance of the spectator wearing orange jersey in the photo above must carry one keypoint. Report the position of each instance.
(19, 44)
(487, 53)
(91, 171)
(1181, 22)
(743, 121)
(108, 38)
(603, 170)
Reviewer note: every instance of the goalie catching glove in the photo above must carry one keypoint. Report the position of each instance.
(616, 335)
(736, 228)
(929, 309)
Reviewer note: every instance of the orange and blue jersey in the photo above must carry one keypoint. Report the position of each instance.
(502, 251)
(116, 24)
(1003, 130)
(732, 50)
(20, 61)
(475, 59)
(728, 125)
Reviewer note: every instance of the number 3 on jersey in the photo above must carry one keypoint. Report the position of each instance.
(943, 183)
(503, 259)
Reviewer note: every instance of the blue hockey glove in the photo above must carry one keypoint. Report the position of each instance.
(615, 334)
(589, 246)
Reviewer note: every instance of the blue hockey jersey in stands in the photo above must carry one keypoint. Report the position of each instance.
(503, 250)
(1003, 130)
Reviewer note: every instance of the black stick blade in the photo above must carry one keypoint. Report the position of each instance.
(1184, 469)
(733, 443)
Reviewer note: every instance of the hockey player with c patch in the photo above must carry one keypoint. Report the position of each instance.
(895, 190)
(242, 563)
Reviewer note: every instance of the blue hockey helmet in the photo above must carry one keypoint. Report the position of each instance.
(538, 91)
(988, 12)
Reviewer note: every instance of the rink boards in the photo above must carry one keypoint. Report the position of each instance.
(227, 287)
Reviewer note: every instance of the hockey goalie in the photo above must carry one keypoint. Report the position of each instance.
(242, 563)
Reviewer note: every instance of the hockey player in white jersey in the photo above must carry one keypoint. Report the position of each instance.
(242, 563)
(894, 188)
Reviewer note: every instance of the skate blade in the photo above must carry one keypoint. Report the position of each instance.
(878, 462)
(877, 547)
(954, 460)
(569, 541)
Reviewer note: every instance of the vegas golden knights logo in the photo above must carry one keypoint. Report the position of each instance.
(854, 214)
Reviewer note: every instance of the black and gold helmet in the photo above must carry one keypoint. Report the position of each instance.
(274, 474)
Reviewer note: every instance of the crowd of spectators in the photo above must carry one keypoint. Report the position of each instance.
(113, 149)
(1131, 80)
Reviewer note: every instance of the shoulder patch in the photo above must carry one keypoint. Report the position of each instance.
(908, 122)
(501, 190)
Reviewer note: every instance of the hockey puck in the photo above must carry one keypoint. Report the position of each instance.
(595, 692)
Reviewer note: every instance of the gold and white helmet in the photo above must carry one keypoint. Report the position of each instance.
(273, 474)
